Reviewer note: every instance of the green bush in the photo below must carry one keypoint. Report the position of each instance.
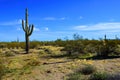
(2, 45)
(99, 76)
(117, 50)
(41, 52)
(9, 53)
(88, 69)
(74, 46)
(104, 49)
(33, 62)
(90, 48)
(48, 51)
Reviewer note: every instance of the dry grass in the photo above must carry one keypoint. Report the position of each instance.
(36, 66)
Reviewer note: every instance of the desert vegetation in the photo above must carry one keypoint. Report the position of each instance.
(75, 59)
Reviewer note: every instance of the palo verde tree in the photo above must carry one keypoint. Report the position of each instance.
(28, 29)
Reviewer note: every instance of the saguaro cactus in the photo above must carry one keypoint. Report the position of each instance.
(28, 29)
(105, 46)
(105, 40)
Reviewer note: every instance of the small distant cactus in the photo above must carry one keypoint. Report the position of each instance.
(28, 29)
(105, 48)
(105, 41)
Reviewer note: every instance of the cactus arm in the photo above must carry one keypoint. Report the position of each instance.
(23, 25)
(31, 29)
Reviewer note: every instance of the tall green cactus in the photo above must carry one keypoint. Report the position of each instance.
(28, 29)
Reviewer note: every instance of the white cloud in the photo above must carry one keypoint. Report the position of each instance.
(49, 18)
(110, 27)
(36, 29)
(46, 28)
(11, 23)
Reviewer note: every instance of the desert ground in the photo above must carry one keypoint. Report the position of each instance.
(50, 63)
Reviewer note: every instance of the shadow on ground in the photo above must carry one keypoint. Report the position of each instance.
(102, 57)
(77, 56)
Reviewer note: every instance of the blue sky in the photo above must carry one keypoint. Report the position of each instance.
(55, 19)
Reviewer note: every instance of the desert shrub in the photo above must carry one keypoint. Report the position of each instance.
(74, 76)
(25, 70)
(41, 52)
(1, 52)
(105, 50)
(69, 49)
(2, 68)
(113, 77)
(117, 50)
(99, 76)
(38, 47)
(34, 44)
(85, 56)
(2, 45)
(9, 53)
(88, 69)
(1, 71)
(90, 48)
(33, 62)
(58, 42)
(102, 50)
(74, 46)
(48, 51)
